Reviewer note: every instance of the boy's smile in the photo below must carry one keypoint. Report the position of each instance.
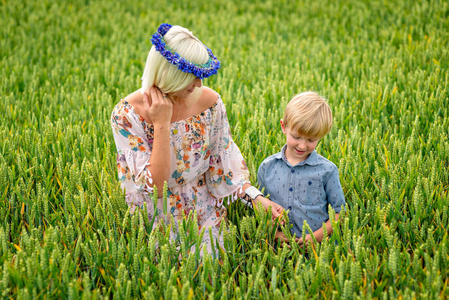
(299, 146)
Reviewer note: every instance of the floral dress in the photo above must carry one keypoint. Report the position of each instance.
(206, 165)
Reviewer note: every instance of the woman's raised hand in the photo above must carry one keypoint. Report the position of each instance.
(158, 107)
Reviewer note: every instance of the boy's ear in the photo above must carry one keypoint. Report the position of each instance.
(282, 126)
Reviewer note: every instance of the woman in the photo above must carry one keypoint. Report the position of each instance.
(175, 130)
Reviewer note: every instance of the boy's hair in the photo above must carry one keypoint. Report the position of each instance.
(308, 113)
(166, 76)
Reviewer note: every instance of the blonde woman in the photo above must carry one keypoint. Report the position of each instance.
(175, 130)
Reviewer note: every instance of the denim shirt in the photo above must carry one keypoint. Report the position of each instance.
(305, 189)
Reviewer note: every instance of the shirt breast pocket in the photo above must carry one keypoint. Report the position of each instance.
(310, 191)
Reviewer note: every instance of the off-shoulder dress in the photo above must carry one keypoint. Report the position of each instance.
(206, 165)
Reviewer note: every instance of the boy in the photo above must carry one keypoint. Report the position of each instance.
(299, 179)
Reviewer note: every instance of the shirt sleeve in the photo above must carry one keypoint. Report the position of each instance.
(261, 179)
(227, 171)
(133, 154)
(334, 192)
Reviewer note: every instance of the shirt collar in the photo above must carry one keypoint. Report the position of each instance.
(311, 160)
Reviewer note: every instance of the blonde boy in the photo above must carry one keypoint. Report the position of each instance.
(298, 178)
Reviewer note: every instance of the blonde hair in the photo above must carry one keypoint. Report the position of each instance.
(308, 113)
(167, 77)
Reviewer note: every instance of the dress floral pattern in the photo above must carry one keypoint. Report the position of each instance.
(206, 165)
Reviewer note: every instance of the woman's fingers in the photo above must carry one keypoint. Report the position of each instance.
(159, 97)
(160, 107)
(277, 210)
(146, 99)
(154, 95)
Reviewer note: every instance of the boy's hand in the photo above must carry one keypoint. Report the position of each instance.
(281, 236)
(300, 241)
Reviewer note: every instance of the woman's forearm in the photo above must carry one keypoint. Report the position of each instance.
(244, 187)
(243, 194)
(160, 157)
(276, 209)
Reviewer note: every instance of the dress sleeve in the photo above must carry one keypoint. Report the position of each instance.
(133, 154)
(227, 171)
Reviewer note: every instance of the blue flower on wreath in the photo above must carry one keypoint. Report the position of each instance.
(199, 70)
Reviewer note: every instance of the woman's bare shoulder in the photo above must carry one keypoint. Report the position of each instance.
(135, 98)
(208, 98)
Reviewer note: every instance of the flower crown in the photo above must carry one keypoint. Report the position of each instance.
(199, 70)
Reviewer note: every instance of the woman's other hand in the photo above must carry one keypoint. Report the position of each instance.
(276, 209)
(158, 107)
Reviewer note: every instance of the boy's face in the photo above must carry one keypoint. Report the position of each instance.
(298, 146)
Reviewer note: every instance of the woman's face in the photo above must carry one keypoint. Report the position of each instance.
(185, 93)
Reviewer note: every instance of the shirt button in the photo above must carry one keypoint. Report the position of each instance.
(293, 171)
(290, 208)
(290, 189)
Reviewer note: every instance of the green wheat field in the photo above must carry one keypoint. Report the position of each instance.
(65, 231)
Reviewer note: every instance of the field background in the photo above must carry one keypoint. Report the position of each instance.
(383, 66)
